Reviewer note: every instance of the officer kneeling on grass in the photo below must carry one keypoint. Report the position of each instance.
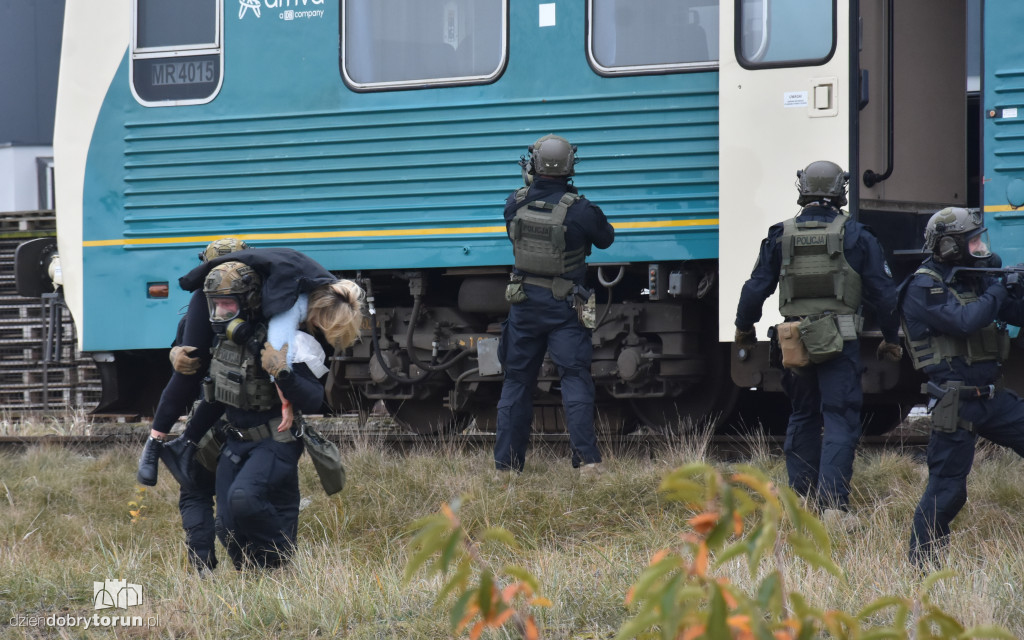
(257, 476)
(955, 327)
(552, 229)
(822, 260)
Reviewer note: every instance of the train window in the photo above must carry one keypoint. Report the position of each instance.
(401, 44)
(177, 56)
(649, 36)
(784, 33)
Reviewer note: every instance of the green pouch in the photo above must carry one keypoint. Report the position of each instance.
(208, 448)
(561, 288)
(822, 338)
(515, 293)
(326, 460)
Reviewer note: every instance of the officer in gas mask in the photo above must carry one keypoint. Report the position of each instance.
(552, 229)
(257, 476)
(825, 265)
(955, 328)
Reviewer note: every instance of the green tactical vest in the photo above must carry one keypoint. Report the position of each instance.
(239, 380)
(815, 276)
(991, 343)
(538, 237)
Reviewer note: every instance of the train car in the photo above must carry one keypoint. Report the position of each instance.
(381, 137)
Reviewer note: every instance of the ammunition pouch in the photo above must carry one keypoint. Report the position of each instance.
(584, 301)
(794, 353)
(514, 291)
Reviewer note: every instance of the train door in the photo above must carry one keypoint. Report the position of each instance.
(1003, 127)
(784, 102)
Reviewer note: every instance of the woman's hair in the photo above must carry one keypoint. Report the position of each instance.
(336, 310)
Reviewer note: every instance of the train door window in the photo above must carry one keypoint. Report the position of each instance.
(408, 44)
(652, 36)
(177, 51)
(784, 33)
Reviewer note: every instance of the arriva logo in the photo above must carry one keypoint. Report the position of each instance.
(290, 14)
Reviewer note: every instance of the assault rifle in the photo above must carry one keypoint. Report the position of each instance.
(1013, 277)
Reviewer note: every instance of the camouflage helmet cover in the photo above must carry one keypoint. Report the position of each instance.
(222, 247)
(552, 155)
(822, 179)
(235, 279)
(956, 223)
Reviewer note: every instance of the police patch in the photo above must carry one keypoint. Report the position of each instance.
(885, 268)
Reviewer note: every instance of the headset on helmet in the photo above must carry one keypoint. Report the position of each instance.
(551, 155)
(822, 179)
(955, 234)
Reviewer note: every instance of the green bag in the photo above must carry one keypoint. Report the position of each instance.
(822, 338)
(326, 459)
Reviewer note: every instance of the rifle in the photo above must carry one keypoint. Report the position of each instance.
(1013, 277)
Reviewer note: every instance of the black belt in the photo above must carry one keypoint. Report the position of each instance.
(252, 434)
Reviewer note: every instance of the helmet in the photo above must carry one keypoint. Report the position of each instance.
(552, 155)
(956, 234)
(822, 179)
(221, 247)
(232, 288)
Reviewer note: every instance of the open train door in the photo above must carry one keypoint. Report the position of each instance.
(784, 101)
(1003, 116)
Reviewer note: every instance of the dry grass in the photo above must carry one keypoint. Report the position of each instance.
(64, 523)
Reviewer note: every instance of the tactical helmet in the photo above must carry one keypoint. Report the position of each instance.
(552, 155)
(956, 234)
(233, 280)
(822, 179)
(221, 247)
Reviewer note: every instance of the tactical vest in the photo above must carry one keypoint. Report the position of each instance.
(238, 379)
(538, 236)
(815, 276)
(992, 343)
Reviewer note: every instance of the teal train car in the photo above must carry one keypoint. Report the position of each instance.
(381, 137)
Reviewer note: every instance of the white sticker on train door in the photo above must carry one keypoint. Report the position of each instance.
(547, 14)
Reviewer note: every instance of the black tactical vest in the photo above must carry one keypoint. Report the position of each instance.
(538, 236)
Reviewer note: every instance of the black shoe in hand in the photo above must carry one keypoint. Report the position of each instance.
(148, 462)
(178, 455)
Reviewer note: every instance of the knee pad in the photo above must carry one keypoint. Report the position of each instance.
(242, 504)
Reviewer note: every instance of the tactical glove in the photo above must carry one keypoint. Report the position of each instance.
(889, 351)
(746, 338)
(275, 362)
(181, 361)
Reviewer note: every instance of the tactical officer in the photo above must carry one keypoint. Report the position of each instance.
(257, 476)
(195, 499)
(954, 325)
(552, 229)
(822, 260)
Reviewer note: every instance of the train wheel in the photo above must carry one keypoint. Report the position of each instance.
(426, 417)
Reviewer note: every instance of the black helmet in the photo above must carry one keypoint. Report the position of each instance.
(552, 155)
(822, 180)
(955, 234)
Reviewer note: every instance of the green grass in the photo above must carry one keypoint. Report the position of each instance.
(64, 523)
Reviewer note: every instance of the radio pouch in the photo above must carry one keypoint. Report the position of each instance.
(794, 353)
(821, 337)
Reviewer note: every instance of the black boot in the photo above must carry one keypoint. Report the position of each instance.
(178, 455)
(148, 462)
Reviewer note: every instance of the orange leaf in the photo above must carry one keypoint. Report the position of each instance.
(478, 628)
(700, 561)
(692, 633)
(739, 622)
(501, 618)
(783, 635)
(471, 612)
(703, 523)
(730, 601)
(629, 595)
(737, 523)
(447, 511)
(658, 557)
(530, 632)
(541, 602)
